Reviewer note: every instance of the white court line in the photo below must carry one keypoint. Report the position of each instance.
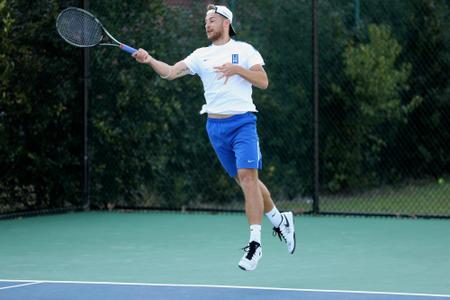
(228, 287)
(18, 285)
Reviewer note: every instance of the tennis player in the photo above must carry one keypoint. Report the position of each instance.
(228, 70)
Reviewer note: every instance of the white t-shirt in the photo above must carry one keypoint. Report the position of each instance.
(234, 97)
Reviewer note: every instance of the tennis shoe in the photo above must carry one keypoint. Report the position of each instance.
(286, 231)
(252, 255)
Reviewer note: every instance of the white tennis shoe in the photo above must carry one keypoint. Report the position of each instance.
(286, 230)
(253, 253)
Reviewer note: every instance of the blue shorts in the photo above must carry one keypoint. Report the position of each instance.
(236, 142)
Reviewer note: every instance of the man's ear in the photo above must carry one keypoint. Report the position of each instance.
(226, 22)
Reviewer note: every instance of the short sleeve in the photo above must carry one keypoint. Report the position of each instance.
(192, 63)
(254, 58)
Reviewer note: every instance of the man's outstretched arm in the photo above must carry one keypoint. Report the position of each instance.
(164, 70)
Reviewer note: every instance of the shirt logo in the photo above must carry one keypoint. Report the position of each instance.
(234, 58)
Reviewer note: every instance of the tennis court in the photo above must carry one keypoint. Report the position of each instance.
(111, 188)
(159, 255)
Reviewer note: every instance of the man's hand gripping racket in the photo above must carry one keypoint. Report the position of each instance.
(141, 56)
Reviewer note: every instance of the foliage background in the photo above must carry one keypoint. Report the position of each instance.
(384, 108)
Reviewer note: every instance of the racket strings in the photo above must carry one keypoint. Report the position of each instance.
(79, 28)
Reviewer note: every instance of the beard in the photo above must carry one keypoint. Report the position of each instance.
(214, 36)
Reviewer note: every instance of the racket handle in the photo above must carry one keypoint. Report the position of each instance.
(128, 49)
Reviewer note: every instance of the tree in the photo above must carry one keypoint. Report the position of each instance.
(368, 109)
(39, 105)
(427, 132)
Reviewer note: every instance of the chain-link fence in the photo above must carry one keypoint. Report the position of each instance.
(384, 109)
(159, 154)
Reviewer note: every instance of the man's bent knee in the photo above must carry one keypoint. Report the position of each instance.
(247, 177)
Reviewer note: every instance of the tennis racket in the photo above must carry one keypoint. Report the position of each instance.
(80, 28)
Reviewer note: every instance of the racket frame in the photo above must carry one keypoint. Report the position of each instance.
(116, 43)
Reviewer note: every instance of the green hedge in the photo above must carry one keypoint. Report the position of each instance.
(384, 103)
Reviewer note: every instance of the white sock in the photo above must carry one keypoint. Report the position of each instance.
(255, 233)
(275, 217)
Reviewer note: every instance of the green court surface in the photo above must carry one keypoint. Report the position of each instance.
(333, 253)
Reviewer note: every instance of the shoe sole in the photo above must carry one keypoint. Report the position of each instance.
(246, 270)
(293, 226)
(295, 244)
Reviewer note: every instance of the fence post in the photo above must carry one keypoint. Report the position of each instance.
(315, 93)
(86, 83)
(357, 13)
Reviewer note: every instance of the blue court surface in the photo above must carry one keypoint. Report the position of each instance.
(77, 290)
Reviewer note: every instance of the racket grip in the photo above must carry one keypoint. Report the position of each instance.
(128, 49)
